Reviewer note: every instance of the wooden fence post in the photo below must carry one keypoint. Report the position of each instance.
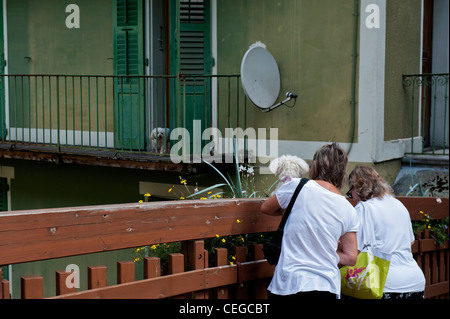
(61, 286)
(32, 287)
(259, 287)
(4, 287)
(176, 263)
(221, 259)
(125, 272)
(97, 277)
(241, 256)
(176, 266)
(152, 267)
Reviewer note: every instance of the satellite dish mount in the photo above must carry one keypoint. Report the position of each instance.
(261, 79)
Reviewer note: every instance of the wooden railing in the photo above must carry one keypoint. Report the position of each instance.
(27, 236)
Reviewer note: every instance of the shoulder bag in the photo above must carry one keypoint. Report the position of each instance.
(366, 279)
(272, 248)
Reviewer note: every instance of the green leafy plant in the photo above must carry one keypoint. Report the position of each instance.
(438, 228)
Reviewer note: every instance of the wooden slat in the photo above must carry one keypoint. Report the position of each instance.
(430, 244)
(4, 287)
(436, 289)
(176, 263)
(125, 272)
(32, 287)
(97, 277)
(61, 286)
(152, 267)
(54, 233)
(221, 259)
(259, 287)
(168, 286)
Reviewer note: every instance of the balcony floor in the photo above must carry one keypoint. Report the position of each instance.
(95, 157)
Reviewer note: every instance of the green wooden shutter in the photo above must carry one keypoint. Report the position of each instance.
(191, 55)
(129, 131)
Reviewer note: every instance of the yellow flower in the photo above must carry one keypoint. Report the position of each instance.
(153, 247)
(231, 263)
(223, 240)
(181, 197)
(422, 212)
(141, 201)
(218, 196)
(429, 226)
(217, 236)
(203, 198)
(238, 221)
(184, 182)
(209, 193)
(170, 189)
(233, 257)
(147, 195)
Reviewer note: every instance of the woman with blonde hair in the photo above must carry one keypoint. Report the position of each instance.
(320, 218)
(393, 232)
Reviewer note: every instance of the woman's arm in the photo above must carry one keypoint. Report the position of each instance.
(348, 249)
(271, 207)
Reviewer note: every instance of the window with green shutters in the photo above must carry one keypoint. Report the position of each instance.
(129, 115)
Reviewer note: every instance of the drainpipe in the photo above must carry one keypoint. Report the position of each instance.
(354, 70)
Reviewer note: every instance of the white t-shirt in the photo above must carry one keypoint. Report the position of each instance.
(308, 259)
(393, 235)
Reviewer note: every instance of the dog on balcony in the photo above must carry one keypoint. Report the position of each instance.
(160, 138)
(288, 167)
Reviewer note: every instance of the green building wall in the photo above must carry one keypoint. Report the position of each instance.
(312, 42)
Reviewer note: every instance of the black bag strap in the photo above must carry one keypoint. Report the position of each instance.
(302, 183)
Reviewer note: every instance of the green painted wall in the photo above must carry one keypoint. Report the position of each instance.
(312, 42)
(37, 29)
(403, 37)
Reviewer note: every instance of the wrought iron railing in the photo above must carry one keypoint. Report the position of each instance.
(113, 113)
(429, 112)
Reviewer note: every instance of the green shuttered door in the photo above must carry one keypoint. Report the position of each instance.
(129, 131)
(192, 47)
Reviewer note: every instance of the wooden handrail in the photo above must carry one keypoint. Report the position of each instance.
(52, 233)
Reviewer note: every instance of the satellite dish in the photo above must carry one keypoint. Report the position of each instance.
(260, 78)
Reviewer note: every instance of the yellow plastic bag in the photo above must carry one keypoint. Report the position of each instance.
(366, 279)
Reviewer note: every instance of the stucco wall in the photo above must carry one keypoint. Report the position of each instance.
(312, 43)
(403, 38)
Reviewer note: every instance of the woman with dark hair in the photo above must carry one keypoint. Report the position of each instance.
(393, 232)
(320, 218)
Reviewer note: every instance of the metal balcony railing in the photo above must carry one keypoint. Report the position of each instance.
(72, 113)
(428, 94)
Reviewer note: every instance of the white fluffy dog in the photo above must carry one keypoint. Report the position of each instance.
(160, 138)
(287, 167)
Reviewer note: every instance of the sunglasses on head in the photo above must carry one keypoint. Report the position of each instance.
(349, 193)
